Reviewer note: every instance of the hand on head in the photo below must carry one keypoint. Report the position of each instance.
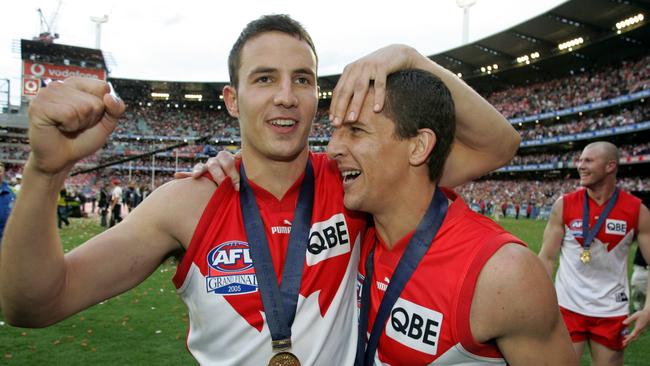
(354, 83)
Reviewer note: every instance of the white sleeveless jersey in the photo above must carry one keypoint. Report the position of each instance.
(599, 288)
(217, 278)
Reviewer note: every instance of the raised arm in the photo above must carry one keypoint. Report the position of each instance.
(641, 317)
(39, 285)
(552, 240)
(484, 138)
(516, 306)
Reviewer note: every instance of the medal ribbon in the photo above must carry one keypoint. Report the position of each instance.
(589, 235)
(279, 301)
(415, 250)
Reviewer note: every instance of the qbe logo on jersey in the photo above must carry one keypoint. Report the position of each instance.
(615, 227)
(230, 269)
(415, 326)
(327, 239)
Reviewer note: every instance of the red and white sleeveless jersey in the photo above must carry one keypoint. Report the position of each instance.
(599, 288)
(216, 278)
(430, 322)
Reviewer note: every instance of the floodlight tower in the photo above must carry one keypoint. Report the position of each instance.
(465, 5)
(98, 29)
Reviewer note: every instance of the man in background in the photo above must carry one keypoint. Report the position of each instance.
(103, 204)
(116, 203)
(592, 229)
(7, 198)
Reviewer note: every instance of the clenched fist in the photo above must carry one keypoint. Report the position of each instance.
(69, 120)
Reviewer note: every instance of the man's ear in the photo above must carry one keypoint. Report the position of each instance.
(610, 166)
(230, 98)
(421, 146)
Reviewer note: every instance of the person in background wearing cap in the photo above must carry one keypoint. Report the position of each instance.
(116, 203)
(7, 198)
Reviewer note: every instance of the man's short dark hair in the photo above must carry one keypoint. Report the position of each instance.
(418, 99)
(267, 23)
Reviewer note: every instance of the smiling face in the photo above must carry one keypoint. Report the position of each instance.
(386, 157)
(595, 165)
(276, 96)
(372, 160)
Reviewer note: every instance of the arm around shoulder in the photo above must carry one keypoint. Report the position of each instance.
(515, 305)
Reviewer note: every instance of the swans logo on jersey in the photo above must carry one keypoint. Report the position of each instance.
(615, 227)
(328, 239)
(575, 226)
(415, 326)
(230, 269)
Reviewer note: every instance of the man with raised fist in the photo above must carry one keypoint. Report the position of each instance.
(234, 245)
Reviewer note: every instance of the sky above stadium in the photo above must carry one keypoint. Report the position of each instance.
(189, 40)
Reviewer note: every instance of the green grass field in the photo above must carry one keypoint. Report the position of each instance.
(147, 325)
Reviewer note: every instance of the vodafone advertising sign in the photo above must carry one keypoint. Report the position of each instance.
(34, 73)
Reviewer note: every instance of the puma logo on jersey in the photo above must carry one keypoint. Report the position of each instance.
(327, 239)
(615, 227)
(382, 286)
(282, 229)
(415, 326)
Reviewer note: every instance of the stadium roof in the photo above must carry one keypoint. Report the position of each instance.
(593, 20)
(592, 23)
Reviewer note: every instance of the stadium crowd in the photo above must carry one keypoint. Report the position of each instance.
(582, 87)
(586, 123)
(157, 125)
(625, 151)
(488, 195)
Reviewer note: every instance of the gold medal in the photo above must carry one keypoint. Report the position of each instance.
(585, 256)
(284, 359)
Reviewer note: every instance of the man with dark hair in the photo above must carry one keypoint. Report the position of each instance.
(269, 23)
(592, 229)
(251, 300)
(438, 283)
